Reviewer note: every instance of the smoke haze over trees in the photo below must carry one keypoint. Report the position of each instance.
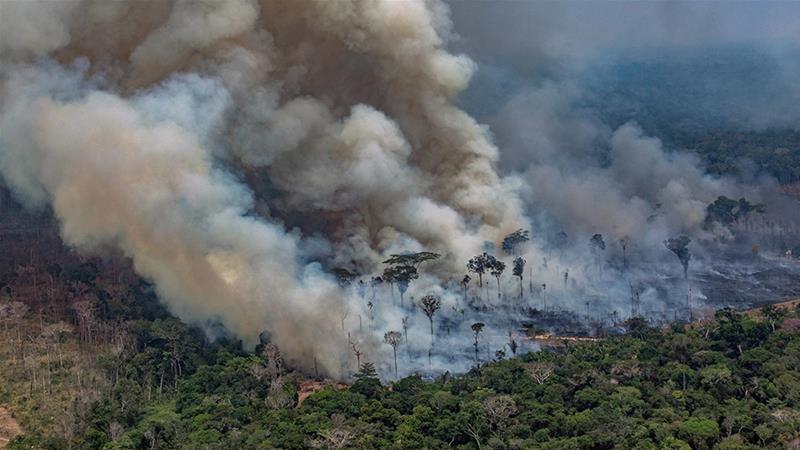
(263, 163)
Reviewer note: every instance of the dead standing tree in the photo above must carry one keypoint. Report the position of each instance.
(624, 242)
(335, 437)
(84, 311)
(14, 313)
(393, 338)
(540, 371)
(464, 284)
(477, 327)
(356, 350)
(498, 410)
(598, 246)
(680, 247)
(512, 343)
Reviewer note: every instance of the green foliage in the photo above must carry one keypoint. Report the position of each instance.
(732, 383)
(726, 211)
(367, 382)
(699, 431)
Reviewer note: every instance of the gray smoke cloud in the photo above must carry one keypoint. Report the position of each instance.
(238, 150)
(235, 149)
(734, 63)
(585, 172)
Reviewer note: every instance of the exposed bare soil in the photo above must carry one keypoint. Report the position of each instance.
(9, 427)
(309, 387)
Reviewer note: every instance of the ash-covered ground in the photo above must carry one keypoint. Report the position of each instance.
(543, 316)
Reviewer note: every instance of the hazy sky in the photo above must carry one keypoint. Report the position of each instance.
(544, 29)
(704, 53)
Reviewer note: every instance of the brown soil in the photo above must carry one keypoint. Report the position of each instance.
(9, 428)
(550, 340)
(792, 189)
(783, 305)
(308, 387)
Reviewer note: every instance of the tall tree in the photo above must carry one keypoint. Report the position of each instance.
(393, 338)
(402, 276)
(544, 296)
(496, 269)
(484, 262)
(411, 259)
(477, 327)
(430, 304)
(519, 271)
(598, 246)
(344, 276)
(464, 284)
(512, 343)
(680, 247)
(726, 210)
(479, 264)
(356, 350)
(624, 242)
(388, 276)
(597, 242)
(513, 240)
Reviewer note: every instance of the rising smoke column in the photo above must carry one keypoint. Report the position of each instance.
(117, 178)
(141, 142)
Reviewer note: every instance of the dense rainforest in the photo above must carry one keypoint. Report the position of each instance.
(727, 383)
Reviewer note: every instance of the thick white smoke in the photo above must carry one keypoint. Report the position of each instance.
(219, 143)
(238, 150)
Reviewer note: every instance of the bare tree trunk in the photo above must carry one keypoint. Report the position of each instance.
(472, 432)
(394, 347)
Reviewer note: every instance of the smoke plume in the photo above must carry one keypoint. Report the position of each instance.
(238, 151)
(235, 150)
